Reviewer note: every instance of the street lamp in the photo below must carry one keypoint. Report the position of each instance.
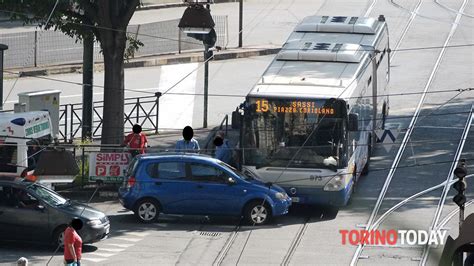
(197, 23)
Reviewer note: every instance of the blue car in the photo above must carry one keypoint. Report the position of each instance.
(197, 185)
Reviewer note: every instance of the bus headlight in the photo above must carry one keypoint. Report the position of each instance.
(335, 184)
(281, 196)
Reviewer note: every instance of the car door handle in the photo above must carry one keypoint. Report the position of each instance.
(158, 183)
(200, 186)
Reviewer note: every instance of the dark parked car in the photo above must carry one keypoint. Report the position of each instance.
(199, 185)
(33, 213)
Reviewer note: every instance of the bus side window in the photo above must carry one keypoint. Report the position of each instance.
(8, 160)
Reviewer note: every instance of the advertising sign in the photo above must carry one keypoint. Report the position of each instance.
(108, 166)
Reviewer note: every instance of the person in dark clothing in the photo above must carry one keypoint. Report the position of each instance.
(223, 149)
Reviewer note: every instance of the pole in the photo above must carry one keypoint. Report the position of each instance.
(241, 18)
(87, 88)
(374, 99)
(206, 83)
(206, 77)
(3, 47)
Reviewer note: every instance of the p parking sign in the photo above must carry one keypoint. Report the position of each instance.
(108, 166)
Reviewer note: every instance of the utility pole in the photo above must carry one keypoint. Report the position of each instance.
(3, 47)
(87, 87)
(206, 76)
(241, 18)
(460, 199)
(206, 83)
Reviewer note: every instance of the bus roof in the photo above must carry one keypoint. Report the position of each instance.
(324, 58)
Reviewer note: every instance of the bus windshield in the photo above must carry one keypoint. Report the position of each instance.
(295, 133)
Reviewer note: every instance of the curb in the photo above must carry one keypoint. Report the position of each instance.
(149, 61)
(173, 5)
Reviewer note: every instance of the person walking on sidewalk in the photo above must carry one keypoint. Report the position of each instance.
(73, 243)
(136, 141)
(188, 143)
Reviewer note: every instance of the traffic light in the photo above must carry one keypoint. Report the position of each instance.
(460, 186)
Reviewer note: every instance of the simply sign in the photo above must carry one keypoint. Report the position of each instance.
(387, 137)
(108, 166)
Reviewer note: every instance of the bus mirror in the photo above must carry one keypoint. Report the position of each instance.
(236, 119)
(353, 122)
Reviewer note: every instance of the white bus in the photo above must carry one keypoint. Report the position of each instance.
(21, 138)
(308, 123)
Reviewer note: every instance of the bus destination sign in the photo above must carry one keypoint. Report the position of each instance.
(294, 107)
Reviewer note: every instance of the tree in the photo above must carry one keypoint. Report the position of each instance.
(107, 20)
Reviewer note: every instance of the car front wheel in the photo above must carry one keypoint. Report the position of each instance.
(257, 213)
(58, 237)
(147, 211)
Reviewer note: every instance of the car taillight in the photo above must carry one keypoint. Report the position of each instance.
(131, 181)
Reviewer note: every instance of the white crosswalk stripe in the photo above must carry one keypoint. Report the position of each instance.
(128, 239)
(120, 245)
(93, 259)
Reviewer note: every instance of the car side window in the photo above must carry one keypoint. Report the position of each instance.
(167, 170)
(207, 173)
(18, 198)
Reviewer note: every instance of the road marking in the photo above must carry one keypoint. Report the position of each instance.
(112, 249)
(120, 245)
(182, 106)
(106, 255)
(128, 239)
(93, 259)
(139, 234)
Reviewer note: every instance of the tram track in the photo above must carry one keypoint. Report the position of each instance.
(296, 241)
(227, 246)
(372, 223)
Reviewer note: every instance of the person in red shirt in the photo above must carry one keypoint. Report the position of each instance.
(136, 141)
(73, 242)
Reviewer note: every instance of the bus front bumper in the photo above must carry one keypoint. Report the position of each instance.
(318, 196)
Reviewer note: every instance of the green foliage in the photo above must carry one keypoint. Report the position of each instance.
(133, 44)
(80, 179)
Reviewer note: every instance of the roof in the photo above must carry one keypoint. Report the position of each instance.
(177, 156)
(323, 58)
(7, 117)
(38, 93)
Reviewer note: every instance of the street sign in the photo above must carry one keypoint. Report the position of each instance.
(387, 137)
(108, 166)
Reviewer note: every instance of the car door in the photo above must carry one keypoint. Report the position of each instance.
(214, 192)
(24, 217)
(170, 185)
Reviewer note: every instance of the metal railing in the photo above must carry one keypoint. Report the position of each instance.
(42, 48)
(138, 110)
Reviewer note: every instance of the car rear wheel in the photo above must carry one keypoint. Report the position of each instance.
(147, 210)
(257, 213)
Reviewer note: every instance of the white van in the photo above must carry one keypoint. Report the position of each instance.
(21, 137)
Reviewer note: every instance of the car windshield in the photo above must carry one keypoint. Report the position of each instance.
(47, 195)
(247, 177)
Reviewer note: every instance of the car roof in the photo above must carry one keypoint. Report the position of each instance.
(178, 156)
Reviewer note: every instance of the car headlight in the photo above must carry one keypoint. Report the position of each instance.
(281, 196)
(335, 184)
(94, 222)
